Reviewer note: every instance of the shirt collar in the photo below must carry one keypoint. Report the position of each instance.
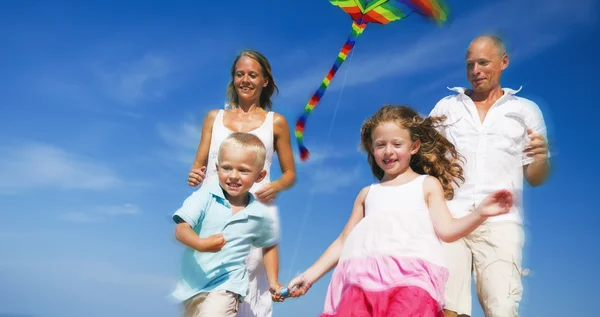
(463, 90)
(215, 189)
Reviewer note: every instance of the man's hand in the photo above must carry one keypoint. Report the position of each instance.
(537, 146)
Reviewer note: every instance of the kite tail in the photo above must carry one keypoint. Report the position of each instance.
(357, 29)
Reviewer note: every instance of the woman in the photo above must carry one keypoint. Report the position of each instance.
(249, 101)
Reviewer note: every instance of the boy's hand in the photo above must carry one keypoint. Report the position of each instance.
(214, 243)
(497, 203)
(275, 289)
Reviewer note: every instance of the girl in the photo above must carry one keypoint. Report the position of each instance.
(389, 257)
(249, 93)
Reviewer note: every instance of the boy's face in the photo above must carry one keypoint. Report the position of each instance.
(238, 170)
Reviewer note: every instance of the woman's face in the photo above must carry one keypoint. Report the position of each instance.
(248, 79)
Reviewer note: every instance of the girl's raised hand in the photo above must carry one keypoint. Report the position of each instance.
(497, 203)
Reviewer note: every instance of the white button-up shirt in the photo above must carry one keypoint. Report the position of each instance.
(492, 149)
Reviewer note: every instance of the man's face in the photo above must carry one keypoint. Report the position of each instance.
(484, 65)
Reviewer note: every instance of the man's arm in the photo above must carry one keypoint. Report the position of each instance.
(536, 163)
(537, 173)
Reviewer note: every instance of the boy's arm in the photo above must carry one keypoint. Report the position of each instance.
(190, 215)
(188, 237)
(271, 262)
(267, 239)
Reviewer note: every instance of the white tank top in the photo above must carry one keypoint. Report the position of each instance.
(396, 223)
(220, 133)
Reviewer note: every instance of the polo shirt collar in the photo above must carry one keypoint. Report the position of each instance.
(215, 189)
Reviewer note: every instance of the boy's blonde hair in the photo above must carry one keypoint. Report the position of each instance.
(248, 142)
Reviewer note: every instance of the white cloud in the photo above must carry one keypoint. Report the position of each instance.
(135, 81)
(124, 209)
(321, 154)
(529, 27)
(78, 269)
(38, 165)
(182, 140)
(96, 85)
(100, 213)
(79, 217)
(330, 179)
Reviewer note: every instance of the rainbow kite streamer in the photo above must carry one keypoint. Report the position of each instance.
(363, 12)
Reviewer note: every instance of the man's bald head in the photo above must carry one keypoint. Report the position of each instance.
(483, 40)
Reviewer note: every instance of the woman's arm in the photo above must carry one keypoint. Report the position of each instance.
(204, 146)
(283, 147)
(330, 257)
(449, 229)
(196, 176)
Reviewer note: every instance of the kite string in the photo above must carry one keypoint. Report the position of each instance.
(319, 163)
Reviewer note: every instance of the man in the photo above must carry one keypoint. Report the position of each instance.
(503, 139)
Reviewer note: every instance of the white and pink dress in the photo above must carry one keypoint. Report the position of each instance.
(392, 262)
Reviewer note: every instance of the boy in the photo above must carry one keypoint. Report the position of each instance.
(219, 223)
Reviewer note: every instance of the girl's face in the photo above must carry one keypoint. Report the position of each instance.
(248, 79)
(393, 148)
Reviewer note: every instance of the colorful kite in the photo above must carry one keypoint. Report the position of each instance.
(363, 12)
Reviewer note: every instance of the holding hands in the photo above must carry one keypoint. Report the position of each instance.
(275, 288)
(298, 286)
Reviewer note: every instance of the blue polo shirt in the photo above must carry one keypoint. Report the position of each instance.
(208, 212)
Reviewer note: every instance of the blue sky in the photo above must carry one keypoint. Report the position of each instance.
(100, 111)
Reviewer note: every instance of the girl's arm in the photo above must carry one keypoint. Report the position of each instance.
(283, 147)
(449, 229)
(330, 257)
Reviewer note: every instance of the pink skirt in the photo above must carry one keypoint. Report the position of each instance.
(405, 301)
(386, 286)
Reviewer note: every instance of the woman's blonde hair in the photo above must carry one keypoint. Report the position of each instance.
(436, 157)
